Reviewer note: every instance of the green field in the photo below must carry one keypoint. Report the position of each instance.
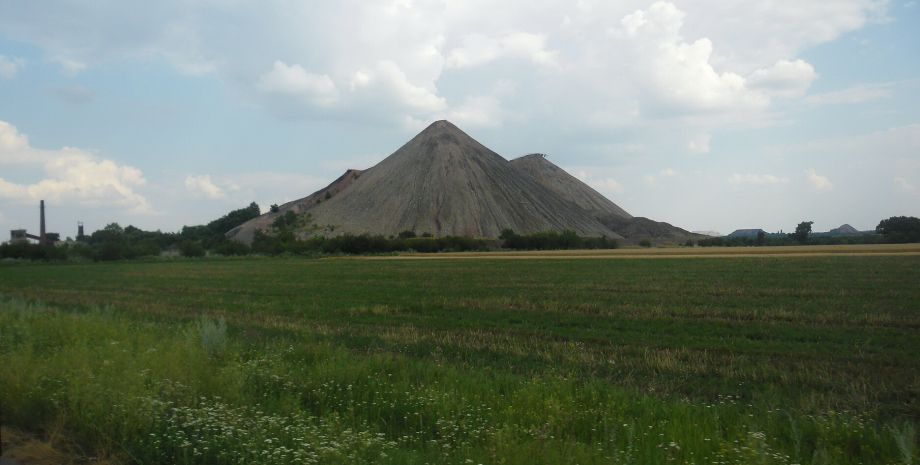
(630, 360)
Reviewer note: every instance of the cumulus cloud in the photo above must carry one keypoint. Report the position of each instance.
(294, 81)
(9, 67)
(604, 186)
(817, 181)
(71, 176)
(678, 76)
(201, 186)
(785, 79)
(609, 63)
(738, 180)
(478, 49)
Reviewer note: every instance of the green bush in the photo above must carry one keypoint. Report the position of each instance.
(27, 251)
(233, 248)
(191, 249)
(645, 243)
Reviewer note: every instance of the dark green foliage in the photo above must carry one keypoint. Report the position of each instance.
(761, 238)
(27, 251)
(427, 234)
(233, 248)
(900, 229)
(274, 208)
(285, 242)
(286, 221)
(327, 196)
(645, 243)
(407, 235)
(801, 232)
(212, 234)
(689, 243)
(552, 240)
(191, 249)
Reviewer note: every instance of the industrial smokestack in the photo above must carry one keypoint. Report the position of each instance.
(41, 234)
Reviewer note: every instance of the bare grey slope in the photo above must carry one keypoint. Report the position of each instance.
(537, 167)
(446, 183)
(246, 231)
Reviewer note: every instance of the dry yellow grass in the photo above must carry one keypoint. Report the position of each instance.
(684, 252)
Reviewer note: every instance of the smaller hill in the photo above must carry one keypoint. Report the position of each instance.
(844, 230)
(752, 233)
(246, 231)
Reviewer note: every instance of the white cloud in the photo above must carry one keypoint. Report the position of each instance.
(857, 94)
(904, 185)
(294, 81)
(202, 186)
(677, 76)
(700, 144)
(785, 79)
(666, 173)
(478, 49)
(10, 67)
(483, 111)
(738, 180)
(70, 67)
(71, 176)
(817, 181)
(405, 61)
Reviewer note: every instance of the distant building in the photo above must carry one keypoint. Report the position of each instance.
(18, 235)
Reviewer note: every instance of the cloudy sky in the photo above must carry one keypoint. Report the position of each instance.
(707, 114)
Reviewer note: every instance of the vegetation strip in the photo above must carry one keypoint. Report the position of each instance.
(727, 360)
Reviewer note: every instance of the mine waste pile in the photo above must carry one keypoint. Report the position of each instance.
(445, 183)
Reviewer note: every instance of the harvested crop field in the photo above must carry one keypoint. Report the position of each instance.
(741, 359)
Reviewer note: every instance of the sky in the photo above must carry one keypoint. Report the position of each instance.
(706, 114)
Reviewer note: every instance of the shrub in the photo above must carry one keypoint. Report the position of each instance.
(191, 249)
(233, 248)
(407, 235)
(211, 335)
(645, 243)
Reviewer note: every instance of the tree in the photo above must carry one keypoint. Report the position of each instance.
(689, 243)
(802, 231)
(191, 249)
(645, 243)
(900, 229)
(274, 208)
(761, 238)
(407, 234)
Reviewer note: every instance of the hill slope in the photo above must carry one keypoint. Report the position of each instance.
(538, 168)
(570, 188)
(442, 182)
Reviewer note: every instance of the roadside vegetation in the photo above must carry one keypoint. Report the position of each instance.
(729, 360)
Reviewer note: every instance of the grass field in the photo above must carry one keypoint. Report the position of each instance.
(766, 359)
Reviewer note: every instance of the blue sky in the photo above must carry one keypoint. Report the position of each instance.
(708, 115)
